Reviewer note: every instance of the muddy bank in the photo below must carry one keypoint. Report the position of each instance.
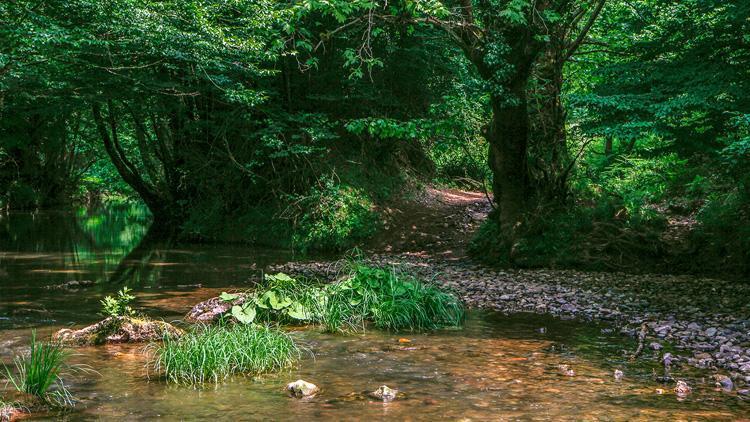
(706, 321)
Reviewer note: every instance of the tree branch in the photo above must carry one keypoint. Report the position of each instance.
(582, 36)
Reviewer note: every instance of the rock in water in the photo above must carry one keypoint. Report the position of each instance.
(384, 393)
(212, 309)
(618, 374)
(682, 389)
(724, 382)
(566, 370)
(118, 330)
(301, 389)
(9, 413)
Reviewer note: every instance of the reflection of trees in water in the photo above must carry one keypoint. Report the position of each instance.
(72, 244)
(136, 267)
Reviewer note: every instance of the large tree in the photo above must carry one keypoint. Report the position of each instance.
(509, 42)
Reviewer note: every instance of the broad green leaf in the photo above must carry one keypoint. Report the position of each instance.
(297, 311)
(244, 314)
(228, 297)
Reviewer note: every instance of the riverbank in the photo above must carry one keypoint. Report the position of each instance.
(706, 321)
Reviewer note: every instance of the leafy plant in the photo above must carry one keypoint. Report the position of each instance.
(119, 305)
(281, 298)
(335, 217)
(40, 370)
(391, 300)
(213, 353)
(388, 299)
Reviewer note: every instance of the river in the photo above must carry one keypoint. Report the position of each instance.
(496, 368)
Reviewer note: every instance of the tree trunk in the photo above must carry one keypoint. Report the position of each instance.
(548, 150)
(508, 138)
(167, 214)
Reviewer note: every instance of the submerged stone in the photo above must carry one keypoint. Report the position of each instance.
(118, 330)
(384, 393)
(301, 389)
(682, 389)
(566, 370)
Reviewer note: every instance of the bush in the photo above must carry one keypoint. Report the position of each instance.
(118, 306)
(334, 217)
(593, 238)
(722, 239)
(212, 354)
(41, 370)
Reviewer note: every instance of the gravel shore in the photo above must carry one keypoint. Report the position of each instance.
(706, 320)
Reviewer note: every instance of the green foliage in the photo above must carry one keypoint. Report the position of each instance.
(600, 239)
(119, 305)
(390, 300)
(212, 354)
(40, 370)
(279, 299)
(334, 217)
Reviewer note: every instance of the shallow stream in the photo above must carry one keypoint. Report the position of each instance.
(496, 368)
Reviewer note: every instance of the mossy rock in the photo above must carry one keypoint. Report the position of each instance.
(118, 330)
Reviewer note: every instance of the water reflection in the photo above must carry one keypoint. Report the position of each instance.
(57, 265)
(80, 244)
(496, 368)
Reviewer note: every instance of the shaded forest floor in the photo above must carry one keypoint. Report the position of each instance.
(431, 222)
(705, 321)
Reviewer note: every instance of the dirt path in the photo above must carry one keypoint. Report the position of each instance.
(434, 222)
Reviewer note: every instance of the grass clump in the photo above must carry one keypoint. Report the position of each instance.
(40, 370)
(386, 298)
(213, 353)
(390, 300)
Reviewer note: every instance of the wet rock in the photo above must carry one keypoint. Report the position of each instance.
(566, 370)
(118, 330)
(10, 412)
(302, 389)
(724, 382)
(72, 285)
(655, 346)
(744, 392)
(667, 360)
(384, 393)
(212, 309)
(711, 332)
(618, 374)
(682, 389)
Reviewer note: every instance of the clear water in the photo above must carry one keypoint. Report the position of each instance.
(496, 368)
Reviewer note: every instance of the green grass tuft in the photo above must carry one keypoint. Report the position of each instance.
(212, 354)
(40, 370)
(390, 300)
